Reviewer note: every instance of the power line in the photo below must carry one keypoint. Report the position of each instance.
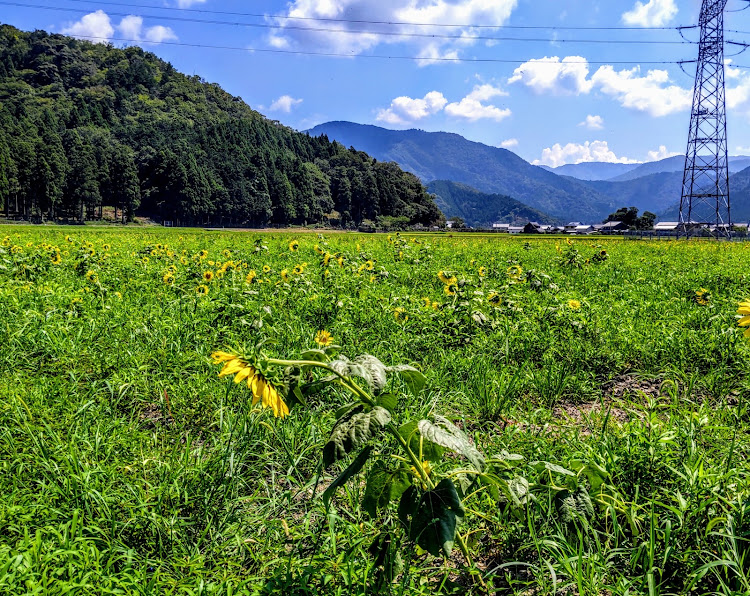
(392, 57)
(361, 32)
(375, 22)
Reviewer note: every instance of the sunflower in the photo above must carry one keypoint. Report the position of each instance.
(294, 246)
(92, 276)
(399, 314)
(327, 259)
(202, 289)
(326, 274)
(56, 259)
(168, 278)
(227, 253)
(369, 265)
(323, 338)
(450, 289)
(250, 276)
(319, 250)
(285, 274)
(702, 296)
(744, 321)
(574, 304)
(298, 270)
(266, 269)
(263, 390)
(427, 302)
(340, 261)
(145, 260)
(482, 271)
(515, 271)
(208, 275)
(493, 298)
(443, 276)
(203, 254)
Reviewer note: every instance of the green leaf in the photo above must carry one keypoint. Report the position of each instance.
(388, 563)
(407, 506)
(433, 525)
(366, 367)
(353, 431)
(413, 379)
(383, 486)
(352, 469)
(314, 355)
(444, 433)
(389, 401)
(430, 451)
(574, 506)
(540, 466)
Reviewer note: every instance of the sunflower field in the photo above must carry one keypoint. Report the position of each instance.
(214, 412)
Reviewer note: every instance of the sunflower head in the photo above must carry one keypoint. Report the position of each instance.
(574, 304)
(400, 314)
(168, 278)
(92, 276)
(262, 388)
(482, 271)
(323, 338)
(702, 296)
(743, 312)
(266, 269)
(450, 289)
(250, 276)
(208, 275)
(298, 270)
(285, 274)
(494, 298)
(202, 289)
(369, 265)
(294, 246)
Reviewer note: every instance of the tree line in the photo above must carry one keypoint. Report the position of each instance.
(88, 126)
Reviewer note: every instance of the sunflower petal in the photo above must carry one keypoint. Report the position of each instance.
(744, 321)
(232, 367)
(244, 374)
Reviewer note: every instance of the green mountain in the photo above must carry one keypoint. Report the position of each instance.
(447, 156)
(593, 170)
(85, 126)
(653, 192)
(739, 197)
(482, 209)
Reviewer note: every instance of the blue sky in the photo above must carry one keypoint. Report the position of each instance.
(556, 97)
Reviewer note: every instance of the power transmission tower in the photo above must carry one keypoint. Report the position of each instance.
(705, 182)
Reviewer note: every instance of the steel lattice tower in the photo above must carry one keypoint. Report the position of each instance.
(705, 182)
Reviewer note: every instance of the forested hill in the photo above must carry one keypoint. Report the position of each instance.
(86, 125)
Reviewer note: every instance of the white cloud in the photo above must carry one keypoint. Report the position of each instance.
(473, 106)
(509, 143)
(95, 26)
(188, 3)
(404, 110)
(557, 155)
(661, 153)
(551, 75)
(651, 93)
(593, 122)
(98, 27)
(351, 40)
(742, 150)
(655, 13)
(285, 103)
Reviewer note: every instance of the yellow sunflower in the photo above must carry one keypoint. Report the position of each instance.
(323, 338)
(202, 289)
(168, 278)
(266, 269)
(482, 271)
(208, 275)
(250, 276)
(744, 321)
(262, 389)
(285, 274)
(369, 265)
(294, 246)
(574, 304)
(450, 289)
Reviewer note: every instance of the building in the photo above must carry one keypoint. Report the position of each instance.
(533, 227)
(612, 227)
(570, 227)
(500, 227)
(583, 229)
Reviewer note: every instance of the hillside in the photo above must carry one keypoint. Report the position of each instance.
(84, 126)
(653, 192)
(593, 170)
(739, 196)
(674, 164)
(447, 156)
(482, 209)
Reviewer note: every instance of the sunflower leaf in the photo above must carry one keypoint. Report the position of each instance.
(433, 525)
(383, 486)
(444, 433)
(413, 379)
(352, 431)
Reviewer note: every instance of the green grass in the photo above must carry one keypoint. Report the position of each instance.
(127, 466)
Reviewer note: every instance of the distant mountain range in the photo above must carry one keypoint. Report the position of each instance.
(486, 179)
(477, 208)
(448, 156)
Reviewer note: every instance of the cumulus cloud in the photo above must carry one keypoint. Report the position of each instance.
(285, 103)
(404, 110)
(654, 13)
(593, 122)
(554, 76)
(661, 153)
(188, 3)
(350, 38)
(509, 143)
(652, 93)
(98, 27)
(473, 107)
(95, 26)
(559, 155)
